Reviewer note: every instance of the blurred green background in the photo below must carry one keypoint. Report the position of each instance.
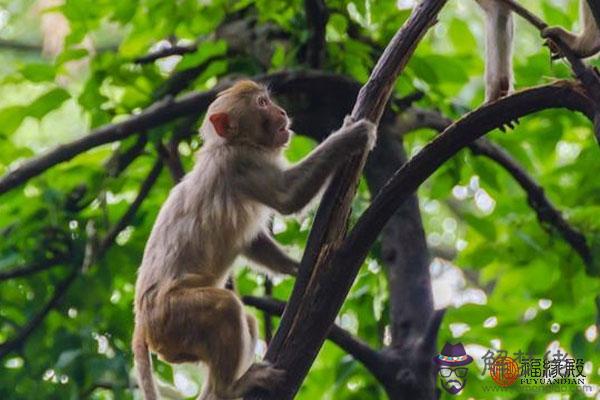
(508, 281)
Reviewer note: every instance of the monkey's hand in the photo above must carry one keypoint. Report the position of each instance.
(552, 35)
(363, 127)
(266, 377)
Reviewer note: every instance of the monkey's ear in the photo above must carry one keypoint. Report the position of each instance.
(220, 122)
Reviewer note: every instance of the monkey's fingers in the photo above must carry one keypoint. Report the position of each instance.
(555, 53)
(266, 377)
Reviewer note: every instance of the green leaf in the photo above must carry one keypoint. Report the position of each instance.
(38, 72)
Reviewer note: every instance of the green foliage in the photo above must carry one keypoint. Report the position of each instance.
(506, 266)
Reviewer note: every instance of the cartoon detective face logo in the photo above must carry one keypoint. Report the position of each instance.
(451, 364)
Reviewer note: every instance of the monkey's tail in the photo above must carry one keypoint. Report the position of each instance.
(141, 356)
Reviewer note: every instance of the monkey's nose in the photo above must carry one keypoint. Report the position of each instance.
(282, 112)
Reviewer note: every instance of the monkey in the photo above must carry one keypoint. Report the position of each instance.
(499, 44)
(499, 32)
(587, 43)
(218, 211)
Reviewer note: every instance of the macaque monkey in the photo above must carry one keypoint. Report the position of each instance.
(218, 211)
(499, 42)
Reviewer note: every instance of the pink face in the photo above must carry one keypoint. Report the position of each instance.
(274, 120)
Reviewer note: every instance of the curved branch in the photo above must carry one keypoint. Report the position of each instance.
(460, 134)
(158, 114)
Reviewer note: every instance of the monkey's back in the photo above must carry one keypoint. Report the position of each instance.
(203, 225)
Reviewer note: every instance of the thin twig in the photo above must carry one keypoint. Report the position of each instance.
(174, 50)
(372, 359)
(60, 290)
(30, 268)
(133, 208)
(98, 252)
(546, 212)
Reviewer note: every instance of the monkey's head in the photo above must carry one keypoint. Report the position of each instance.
(244, 114)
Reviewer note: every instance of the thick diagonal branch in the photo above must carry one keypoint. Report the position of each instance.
(306, 320)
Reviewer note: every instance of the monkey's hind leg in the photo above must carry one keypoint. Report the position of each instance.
(213, 325)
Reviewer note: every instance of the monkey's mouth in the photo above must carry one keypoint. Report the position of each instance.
(282, 135)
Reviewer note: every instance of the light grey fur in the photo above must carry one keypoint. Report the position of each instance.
(499, 32)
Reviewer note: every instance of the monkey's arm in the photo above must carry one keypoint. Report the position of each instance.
(302, 182)
(266, 252)
(587, 43)
(288, 191)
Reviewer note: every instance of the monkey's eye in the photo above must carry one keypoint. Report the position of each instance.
(262, 101)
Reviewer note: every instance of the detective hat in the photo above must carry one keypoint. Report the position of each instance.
(453, 355)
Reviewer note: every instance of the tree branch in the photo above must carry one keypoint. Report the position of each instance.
(158, 114)
(30, 268)
(310, 312)
(59, 292)
(133, 208)
(317, 16)
(546, 212)
(173, 50)
(544, 209)
(359, 350)
(460, 134)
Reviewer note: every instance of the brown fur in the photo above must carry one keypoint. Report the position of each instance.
(218, 211)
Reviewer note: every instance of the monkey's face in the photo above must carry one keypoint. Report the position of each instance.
(271, 123)
(245, 114)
